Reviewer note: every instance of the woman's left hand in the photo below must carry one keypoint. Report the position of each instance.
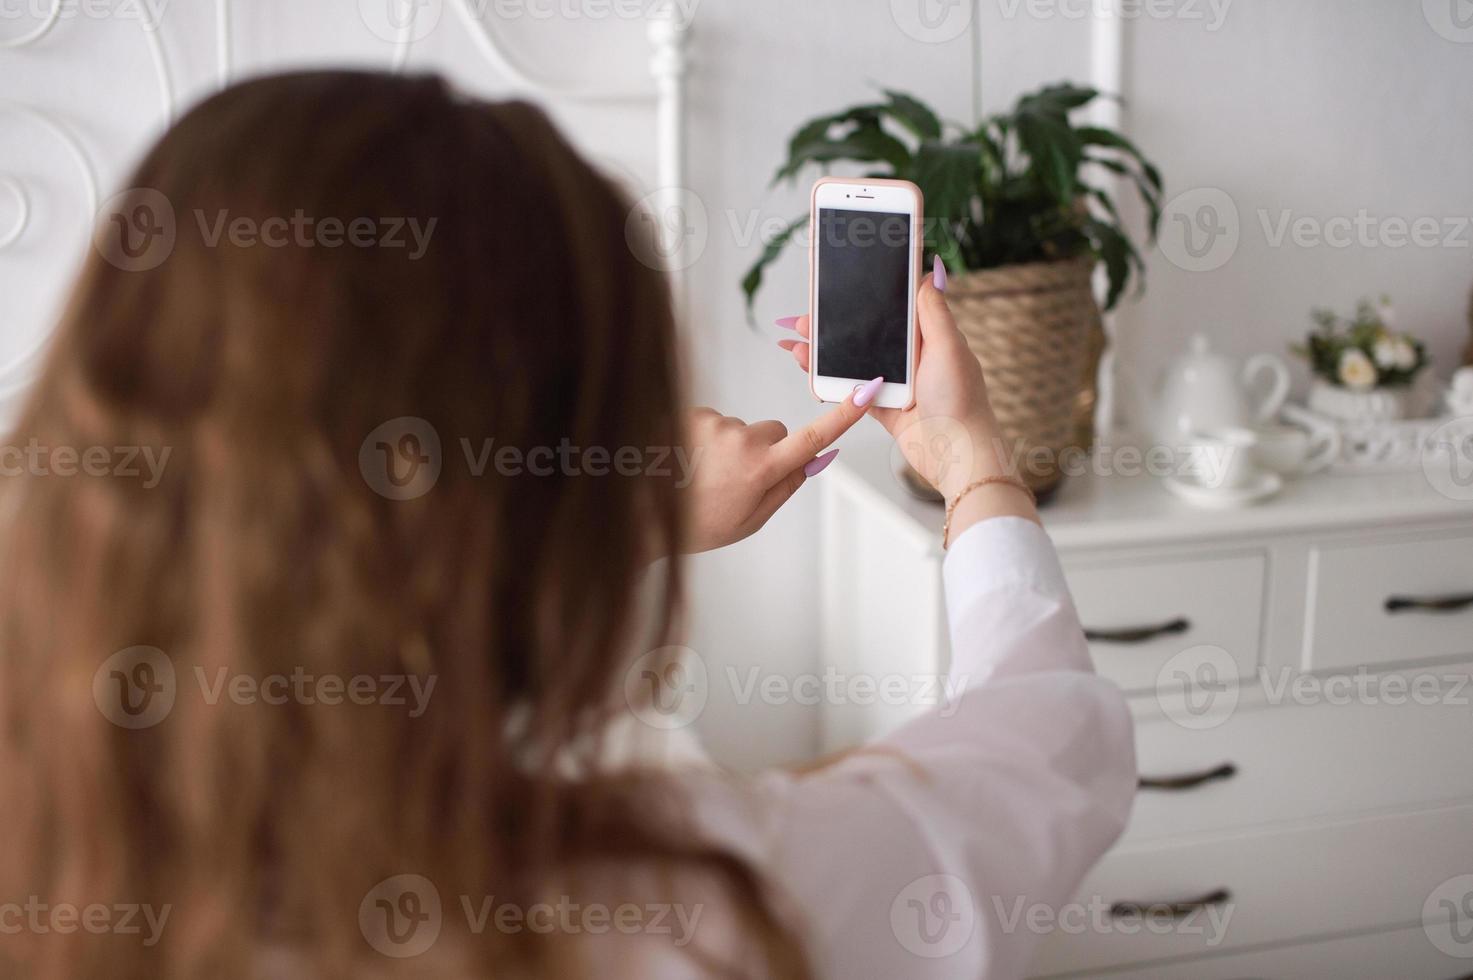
(741, 474)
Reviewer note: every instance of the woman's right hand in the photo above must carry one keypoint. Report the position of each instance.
(949, 435)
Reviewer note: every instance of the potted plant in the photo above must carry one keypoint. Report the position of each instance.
(1364, 371)
(1012, 212)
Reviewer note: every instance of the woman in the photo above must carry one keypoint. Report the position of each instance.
(205, 717)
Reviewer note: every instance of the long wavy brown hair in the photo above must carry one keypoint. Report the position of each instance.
(268, 545)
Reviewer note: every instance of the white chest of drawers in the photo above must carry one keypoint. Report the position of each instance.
(1299, 673)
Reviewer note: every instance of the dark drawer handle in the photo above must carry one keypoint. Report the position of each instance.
(1445, 603)
(1191, 780)
(1176, 910)
(1139, 634)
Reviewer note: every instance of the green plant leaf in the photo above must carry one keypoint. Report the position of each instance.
(914, 115)
(811, 132)
(994, 163)
(1149, 196)
(948, 174)
(752, 281)
(815, 132)
(866, 142)
(947, 247)
(1056, 100)
(1094, 136)
(1054, 151)
(1104, 200)
(1119, 256)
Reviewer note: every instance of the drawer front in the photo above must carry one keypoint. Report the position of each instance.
(1268, 764)
(882, 613)
(1280, 887)
(1408, 954)
(1140, 616)
(1386, 602)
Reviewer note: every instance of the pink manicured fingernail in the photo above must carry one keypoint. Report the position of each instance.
(787, 322)
(818, 464)
(787, 344)
(866, 392)
(938, 275)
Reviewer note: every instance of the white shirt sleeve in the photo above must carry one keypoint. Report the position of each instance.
(922, 855)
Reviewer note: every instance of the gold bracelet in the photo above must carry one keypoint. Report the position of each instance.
(986, 481)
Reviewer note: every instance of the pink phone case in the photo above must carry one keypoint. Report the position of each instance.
(917, 249)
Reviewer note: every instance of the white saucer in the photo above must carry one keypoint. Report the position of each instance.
(1264, 486)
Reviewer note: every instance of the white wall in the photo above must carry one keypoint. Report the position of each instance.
(1321, 107)
(1317, 110)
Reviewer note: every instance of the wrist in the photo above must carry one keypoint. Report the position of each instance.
(986, 457)
(986, 502)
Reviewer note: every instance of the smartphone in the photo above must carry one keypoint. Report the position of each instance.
(864, 270)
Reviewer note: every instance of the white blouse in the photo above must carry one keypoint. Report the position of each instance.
(928, 854)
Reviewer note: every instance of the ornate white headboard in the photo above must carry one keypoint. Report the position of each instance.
(667, 32)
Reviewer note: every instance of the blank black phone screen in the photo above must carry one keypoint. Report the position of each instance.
(864, 260)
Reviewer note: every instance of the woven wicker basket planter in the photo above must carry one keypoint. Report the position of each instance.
(1036, 329)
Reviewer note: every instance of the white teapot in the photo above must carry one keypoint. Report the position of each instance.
(1204, 390)
(1460, 392)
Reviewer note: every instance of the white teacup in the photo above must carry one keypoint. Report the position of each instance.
(1293, 451)
(1223, 458)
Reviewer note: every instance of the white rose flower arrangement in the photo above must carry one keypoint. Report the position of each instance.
(1356, 371)
(1363, 352)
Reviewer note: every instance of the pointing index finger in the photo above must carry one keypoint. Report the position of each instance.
(805, 443)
